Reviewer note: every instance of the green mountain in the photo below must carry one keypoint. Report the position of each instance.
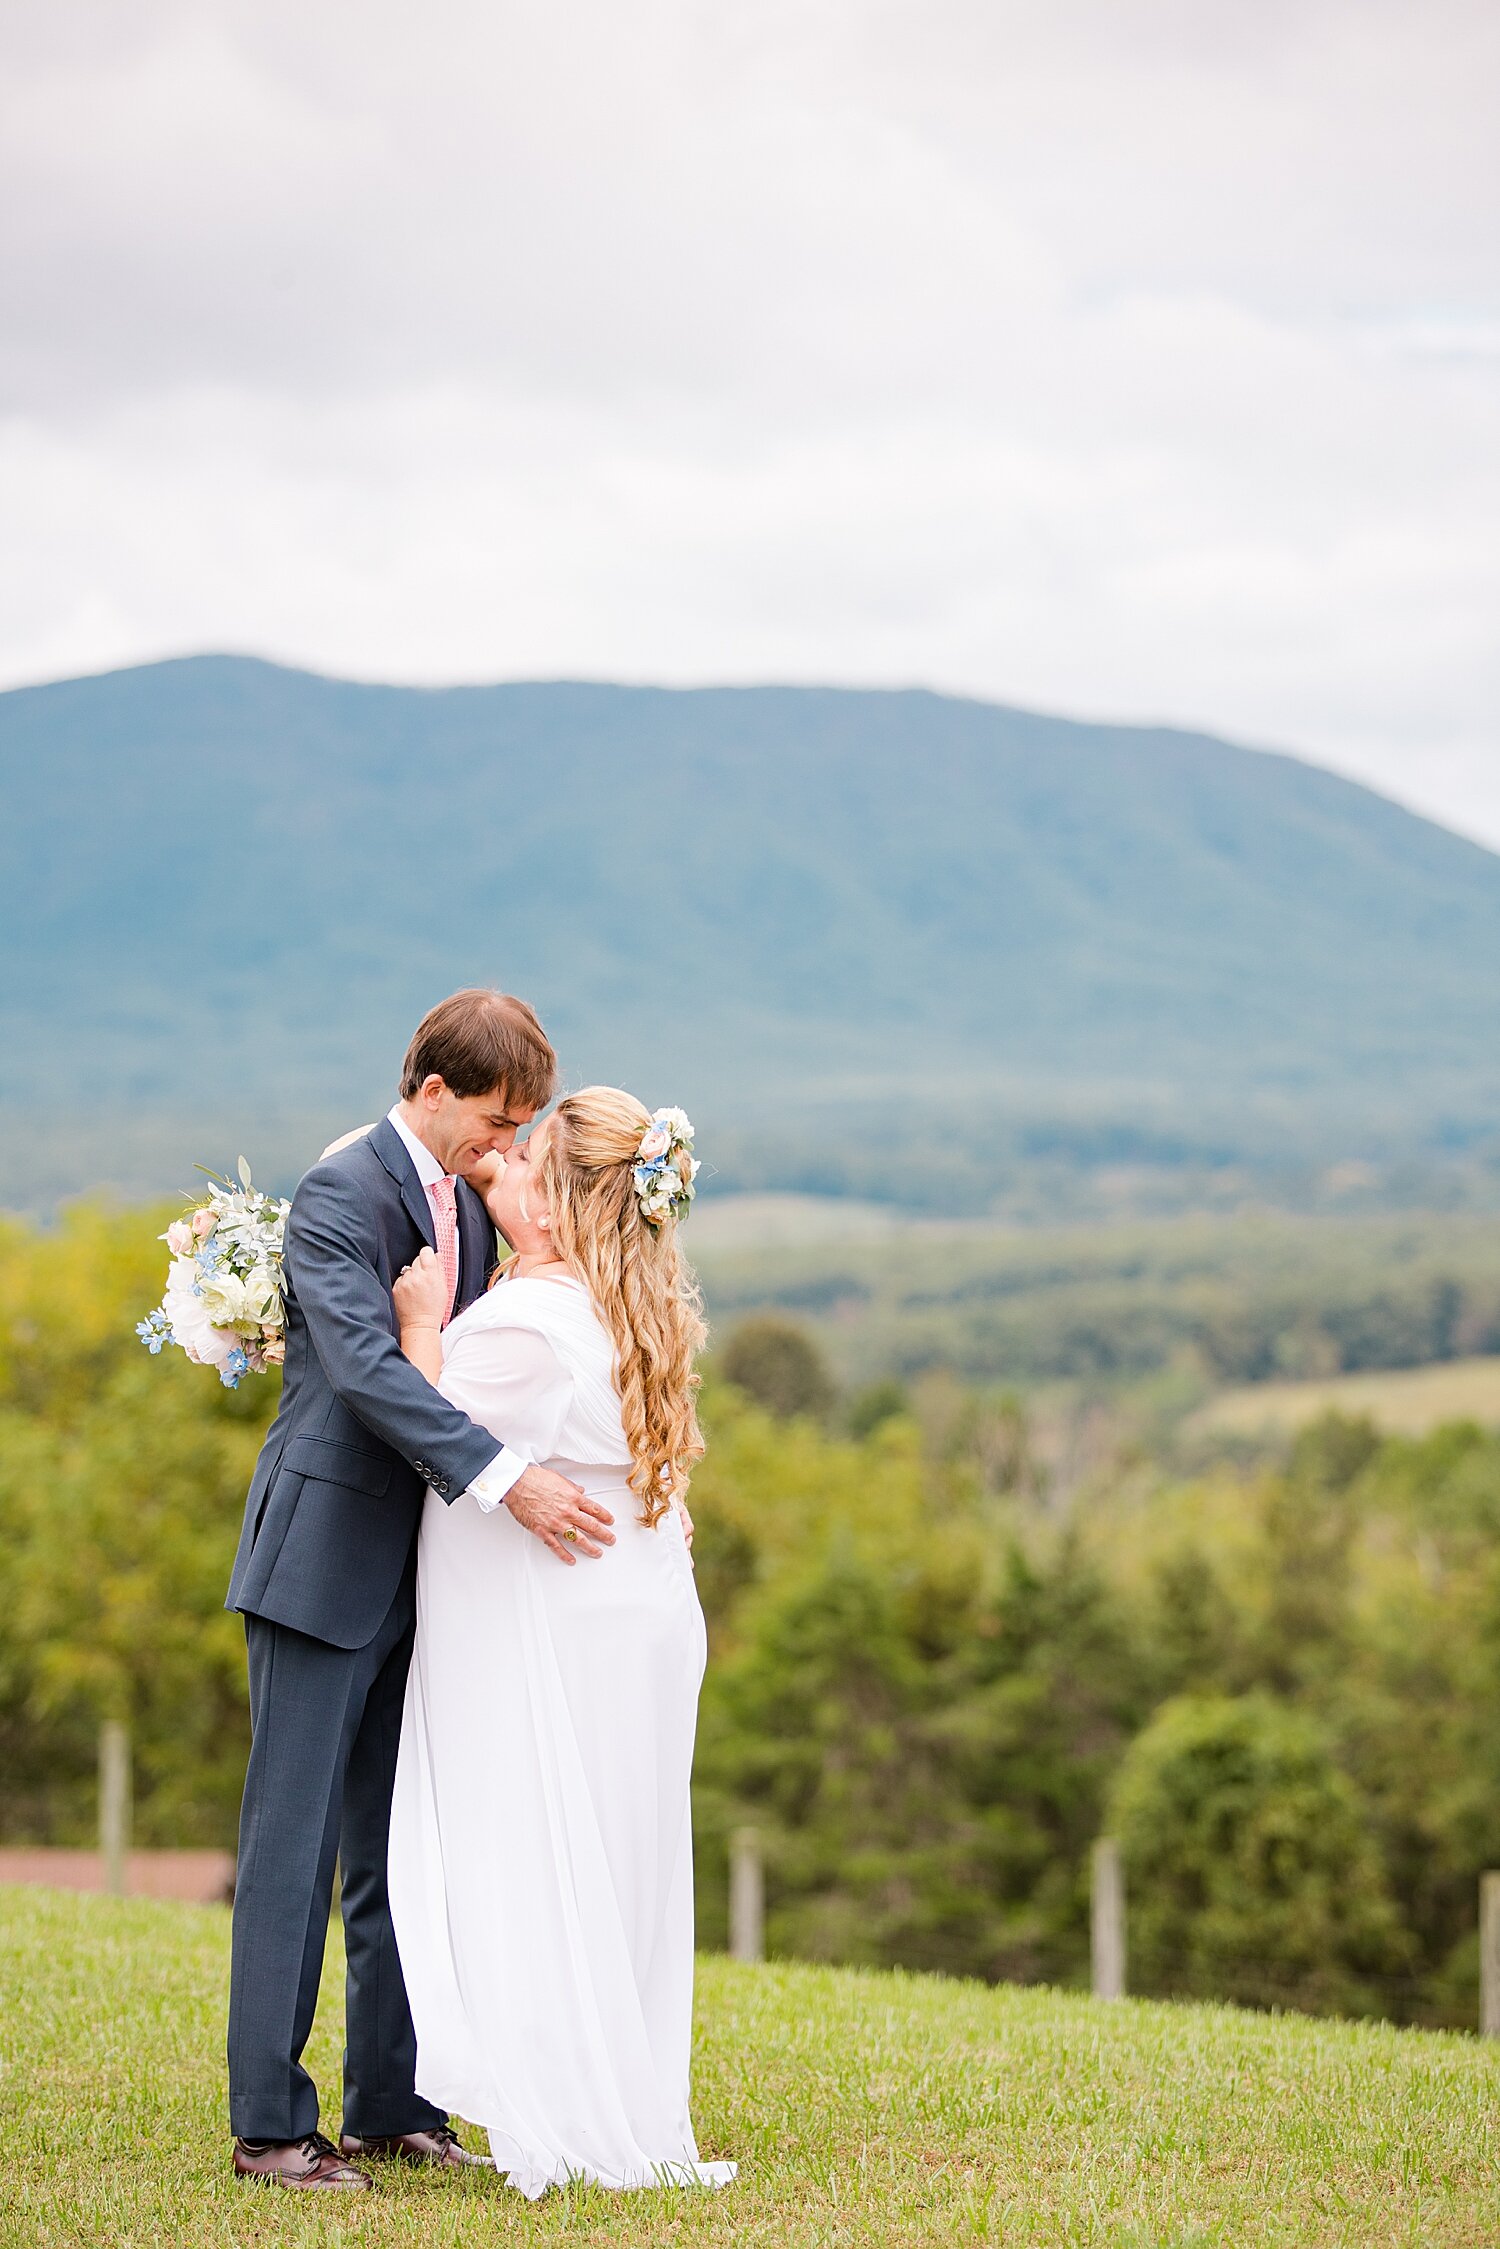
(937, 933)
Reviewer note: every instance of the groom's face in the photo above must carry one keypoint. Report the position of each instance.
(463, 1129)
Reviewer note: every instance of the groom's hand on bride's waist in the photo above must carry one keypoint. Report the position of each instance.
(562, 1516)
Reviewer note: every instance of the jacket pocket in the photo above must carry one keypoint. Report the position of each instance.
(328, 1462)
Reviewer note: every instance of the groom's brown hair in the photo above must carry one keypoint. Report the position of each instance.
(478, 1040)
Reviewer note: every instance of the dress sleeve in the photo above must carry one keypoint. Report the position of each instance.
(511, 1381)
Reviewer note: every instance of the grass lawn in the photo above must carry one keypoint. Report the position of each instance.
(864, 2108)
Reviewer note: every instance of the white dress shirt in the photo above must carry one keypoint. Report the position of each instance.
(491, 1485)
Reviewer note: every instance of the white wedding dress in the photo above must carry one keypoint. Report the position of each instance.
(541, 1848)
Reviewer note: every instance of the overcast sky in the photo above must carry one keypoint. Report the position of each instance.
(1126, 358)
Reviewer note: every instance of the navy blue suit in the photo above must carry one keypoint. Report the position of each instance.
(325, 1577)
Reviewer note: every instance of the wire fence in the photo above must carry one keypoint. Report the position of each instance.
(1115, 1964)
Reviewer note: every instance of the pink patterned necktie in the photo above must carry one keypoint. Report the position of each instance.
(443, 1196)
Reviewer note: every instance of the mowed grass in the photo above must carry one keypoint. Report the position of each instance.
(1405, 1401)
(864, 2109)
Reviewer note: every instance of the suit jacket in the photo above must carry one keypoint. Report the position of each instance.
(338, 1489)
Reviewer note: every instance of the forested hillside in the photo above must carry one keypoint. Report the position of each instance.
(1248, 1298)
(814, 917)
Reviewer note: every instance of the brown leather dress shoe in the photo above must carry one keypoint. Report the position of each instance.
(308, 2162)
(440, 2145)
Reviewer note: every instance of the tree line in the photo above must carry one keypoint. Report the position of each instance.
(1215, 1300)
(936, 1676)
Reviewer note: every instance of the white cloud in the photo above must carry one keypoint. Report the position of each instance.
(1133, 360)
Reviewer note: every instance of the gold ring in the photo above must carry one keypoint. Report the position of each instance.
(569, 1532)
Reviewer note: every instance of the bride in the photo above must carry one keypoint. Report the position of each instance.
(540, 1847)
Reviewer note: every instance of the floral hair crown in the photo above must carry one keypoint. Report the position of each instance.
(660, 1185)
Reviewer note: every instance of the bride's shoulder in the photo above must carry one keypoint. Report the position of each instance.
(546, 1307)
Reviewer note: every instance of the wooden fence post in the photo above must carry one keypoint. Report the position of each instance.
(114, 1804)
(1107, 1921)
(1489, 1955)
(747, 1896)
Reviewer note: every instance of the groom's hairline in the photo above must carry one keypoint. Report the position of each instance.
(473, 1032)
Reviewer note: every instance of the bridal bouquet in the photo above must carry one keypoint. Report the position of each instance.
(223, 1298)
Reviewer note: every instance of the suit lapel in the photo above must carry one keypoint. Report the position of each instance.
(476, 1246)
(391, 1149)
(476, 1236)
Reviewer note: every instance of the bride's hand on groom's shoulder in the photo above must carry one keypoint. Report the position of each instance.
(345, 1140)
(561, 1515)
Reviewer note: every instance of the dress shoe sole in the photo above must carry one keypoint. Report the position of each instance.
(306, 2186)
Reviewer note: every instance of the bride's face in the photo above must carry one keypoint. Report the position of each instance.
(513, 1197)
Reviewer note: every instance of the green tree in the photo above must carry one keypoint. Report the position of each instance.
(1416, 1702)
(1043, 1696)
(122, 1481)
(778, 1365)
(817, 1732)
(878, 1402)
(1251, 1870)
(929, 1664)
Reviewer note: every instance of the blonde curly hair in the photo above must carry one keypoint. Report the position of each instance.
(645, 1291)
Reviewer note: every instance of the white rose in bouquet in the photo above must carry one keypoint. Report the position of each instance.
(225, 1298)
(190, 1319)
(263, 1294)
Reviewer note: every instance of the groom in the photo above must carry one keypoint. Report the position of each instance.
(325, 1577)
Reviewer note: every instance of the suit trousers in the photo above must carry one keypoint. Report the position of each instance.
(325, 1725)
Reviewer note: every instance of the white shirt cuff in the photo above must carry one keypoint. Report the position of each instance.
(489, 1488)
